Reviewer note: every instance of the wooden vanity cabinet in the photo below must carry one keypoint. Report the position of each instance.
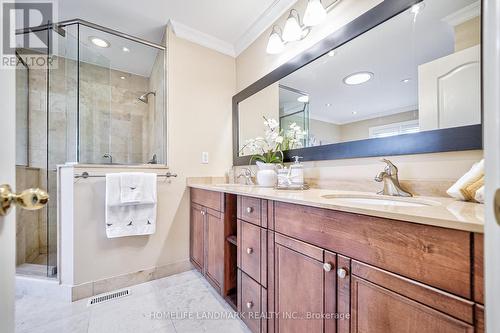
(304, 287)
(212, 215)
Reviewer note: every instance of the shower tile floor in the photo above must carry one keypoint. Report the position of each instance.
(178, 303)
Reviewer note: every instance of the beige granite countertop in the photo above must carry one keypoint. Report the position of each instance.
(442, 212)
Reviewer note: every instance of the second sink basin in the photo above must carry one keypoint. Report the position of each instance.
(380, 200)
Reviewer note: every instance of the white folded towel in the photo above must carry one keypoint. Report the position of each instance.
(135, 187)
(130, 218)
(476, 172)
(480, 195)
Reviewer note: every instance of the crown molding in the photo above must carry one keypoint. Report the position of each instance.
(262, 23)
(464, 14)
(198, 37)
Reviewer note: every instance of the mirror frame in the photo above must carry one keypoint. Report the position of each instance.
(433, 141)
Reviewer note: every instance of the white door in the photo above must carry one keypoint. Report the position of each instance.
(7, 176)
(491, 72)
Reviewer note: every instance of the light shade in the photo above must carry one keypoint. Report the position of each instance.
(315, 13)
(275, 44)
(292, 31)
(358, 78)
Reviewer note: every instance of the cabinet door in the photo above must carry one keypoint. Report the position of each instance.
(299, 287)
(376, 309)
(214, 238)
(197, 236)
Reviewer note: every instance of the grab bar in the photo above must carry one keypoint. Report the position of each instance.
(86, 175)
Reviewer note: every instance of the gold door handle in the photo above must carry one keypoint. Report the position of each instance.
(30, 199)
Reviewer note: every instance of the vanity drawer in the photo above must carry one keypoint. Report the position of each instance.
(209, 199)
(252, 303)
(252, 254)
(435, 256)
(252, 210)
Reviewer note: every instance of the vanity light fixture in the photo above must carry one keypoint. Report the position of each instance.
(303, 99)
(293, 30)
(315, 13)
(99, 42)
(125, 49)
(358, 78)
(275, 44)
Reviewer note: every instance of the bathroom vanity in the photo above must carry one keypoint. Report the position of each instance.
(310, 262)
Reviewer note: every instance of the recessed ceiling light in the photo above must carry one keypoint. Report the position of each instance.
(331, 53)
(417, 8)
(122, 77)
(303, 99)
(125, 49)
(406, 80)
(354, 113)
(99, 42)
(328, 105)
(358, 78)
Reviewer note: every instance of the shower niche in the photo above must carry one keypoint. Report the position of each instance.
(98, 99)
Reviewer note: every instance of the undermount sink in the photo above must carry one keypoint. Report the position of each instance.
(380, 200)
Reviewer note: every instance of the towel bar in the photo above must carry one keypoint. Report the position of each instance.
(86, 175)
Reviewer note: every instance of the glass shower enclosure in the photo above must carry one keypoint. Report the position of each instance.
(94, 96)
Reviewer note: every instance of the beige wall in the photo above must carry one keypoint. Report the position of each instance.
(254, 62)
(202, 83)
(468, 34)
(324, 132)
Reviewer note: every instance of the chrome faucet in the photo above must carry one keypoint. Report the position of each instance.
(154, 160)
(391, 182)
(247, 174)
(108, 156)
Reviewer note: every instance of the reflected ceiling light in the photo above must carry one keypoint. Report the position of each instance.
(328, 105)
(417, 8)
(406, 80)
(275, 44)
(331, 53)
(315, 13)
(358, 78)
(125, 49)
(292, 31)
(303, 99)
(354, 113)
(122, 77)
(99, 42)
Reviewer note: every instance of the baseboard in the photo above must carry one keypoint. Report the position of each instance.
(122, 281)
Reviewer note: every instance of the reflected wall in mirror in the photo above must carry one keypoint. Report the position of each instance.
(418, 71)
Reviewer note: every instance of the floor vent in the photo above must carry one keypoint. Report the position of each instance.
(108, 296)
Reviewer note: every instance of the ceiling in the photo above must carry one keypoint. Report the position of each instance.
(391, 51)
(227, 21)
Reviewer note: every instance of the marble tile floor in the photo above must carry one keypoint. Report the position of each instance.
(175, 304)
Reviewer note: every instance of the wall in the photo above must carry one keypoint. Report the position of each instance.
(254, 62)
(468, 34)
(199, 120)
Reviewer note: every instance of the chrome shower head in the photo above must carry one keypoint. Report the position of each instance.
(144, 97)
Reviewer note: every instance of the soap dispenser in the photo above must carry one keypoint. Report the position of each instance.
(297, 171)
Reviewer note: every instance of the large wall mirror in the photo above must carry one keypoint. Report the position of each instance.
(403, 78)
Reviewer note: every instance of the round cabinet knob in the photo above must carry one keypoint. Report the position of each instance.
(327, 267)
(249, 210)
(249, 250)
(342, 273)
(249, 305)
